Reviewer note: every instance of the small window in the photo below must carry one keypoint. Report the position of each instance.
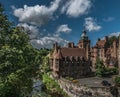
(78, 58)
(67, 58)
(66, 61)
(63, 58)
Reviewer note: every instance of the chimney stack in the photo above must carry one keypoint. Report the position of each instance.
(106, 38)
(70, 45)
(98, 39)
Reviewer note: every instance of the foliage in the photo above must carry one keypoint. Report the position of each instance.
(18, 60)
(112, 39)
(45, 61)
(102, 71)
(46, 66)
(117, 80)
(53, 89)
(69, 78)
(111, 71)
(100, 68)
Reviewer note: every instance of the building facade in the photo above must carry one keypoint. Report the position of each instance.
(78, 61)
(71, 61)
(105, 52)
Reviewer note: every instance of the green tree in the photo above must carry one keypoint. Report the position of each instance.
(112, 39)
(18, 61)
(100, 68)
(52, 87)
(102, 71)
(46, 65)
(117, 80)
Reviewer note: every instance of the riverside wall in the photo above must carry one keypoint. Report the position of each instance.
(77, 90)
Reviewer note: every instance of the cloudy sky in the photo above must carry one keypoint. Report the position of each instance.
(50, 21)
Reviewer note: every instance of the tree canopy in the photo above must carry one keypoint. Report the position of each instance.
(19, 61)
(112, 39)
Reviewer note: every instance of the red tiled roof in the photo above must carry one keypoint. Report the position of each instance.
(73, 52)
(101, 43)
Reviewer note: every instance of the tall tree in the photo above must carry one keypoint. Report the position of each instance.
(112, 39)
(18, 61)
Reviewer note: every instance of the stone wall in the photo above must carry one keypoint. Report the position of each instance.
(76, 90)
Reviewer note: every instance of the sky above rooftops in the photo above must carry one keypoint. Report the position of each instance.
(61, 21)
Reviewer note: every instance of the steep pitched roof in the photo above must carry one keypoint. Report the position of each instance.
(101, 43)
(73, 52)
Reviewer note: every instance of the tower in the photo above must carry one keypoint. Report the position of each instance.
(84, 42)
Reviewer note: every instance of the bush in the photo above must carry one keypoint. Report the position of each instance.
(53, 89)
(102, 71)
(117, 80)
(69, 78)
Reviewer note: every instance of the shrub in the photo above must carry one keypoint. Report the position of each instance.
(117, 80)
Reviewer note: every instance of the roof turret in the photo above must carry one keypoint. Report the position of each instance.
(84, 35)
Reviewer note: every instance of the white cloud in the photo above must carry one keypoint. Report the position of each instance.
(38, 14)
(30, 29)
(91, 25)
(48, 41)
(13, 7)
(75, 8)
(39, 41)
(114, 34)
(64, 28)
(108, 19)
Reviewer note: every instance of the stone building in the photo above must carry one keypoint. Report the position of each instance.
(71, 61)
(78, 61)
(105, 52)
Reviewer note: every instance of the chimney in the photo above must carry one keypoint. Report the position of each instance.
(55, 47)
(106, 38)
(98, 39)
(70, 45)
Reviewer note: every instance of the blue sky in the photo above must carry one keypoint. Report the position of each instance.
(62, 21)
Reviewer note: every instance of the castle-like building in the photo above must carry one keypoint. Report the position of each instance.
(72, 61)
(78, 61)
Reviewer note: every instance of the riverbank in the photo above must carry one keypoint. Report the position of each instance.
(77, 90)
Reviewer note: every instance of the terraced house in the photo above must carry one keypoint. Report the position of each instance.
(105, 52)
